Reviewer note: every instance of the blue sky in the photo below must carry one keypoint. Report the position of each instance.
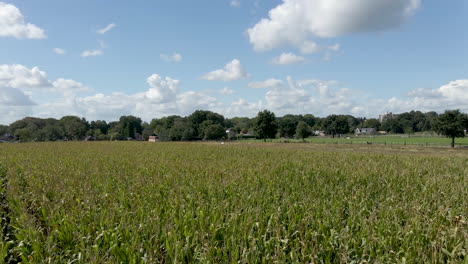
(359, 57)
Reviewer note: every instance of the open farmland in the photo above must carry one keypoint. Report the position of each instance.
(134, 202)
(429, 141)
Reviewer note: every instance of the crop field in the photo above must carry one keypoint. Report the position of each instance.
(139, 202)
(429, 141)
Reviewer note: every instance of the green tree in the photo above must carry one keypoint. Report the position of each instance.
(181, 130)
(101, 125)
(214, 132)
(265, 125)
(130, 125)
(287, 125)
(336, 124)
(372, 123)
(3, 130)
(74, 128)
(451, 124)
(303, 130)
(200, 116)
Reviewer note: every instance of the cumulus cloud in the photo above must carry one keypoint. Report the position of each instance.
(162, 90)
(59, 51)
(163, 97)
(453, 95)
(14, 97)
(309, 47)
(19, 76)
(12, 24)
(176, 57)
(69, 87)
(287, 58)
(91, 53)
(231, 72)
(270, 83)
(295, 22)
(106, 29)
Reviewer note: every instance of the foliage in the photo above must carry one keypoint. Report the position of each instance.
(336, 125)
(372, 123)
(214, 131)
(182, 130)
(265, 125)
(132, 202)
(193, 126)
(452, 124)
(287, 125)
(74, 128)
(303, 130)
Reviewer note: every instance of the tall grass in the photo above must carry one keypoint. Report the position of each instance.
(130, 202)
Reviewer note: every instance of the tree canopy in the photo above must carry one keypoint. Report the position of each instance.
(265, 125)
(209, 125)
(451, 124)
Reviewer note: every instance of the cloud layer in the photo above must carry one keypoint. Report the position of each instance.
(13, 24)
(28, 92)
(296, 22)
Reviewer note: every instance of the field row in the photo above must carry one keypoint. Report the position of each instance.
(136, 202)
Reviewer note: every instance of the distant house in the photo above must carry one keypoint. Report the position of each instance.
(365, 131)
(153, 138)
(319, 133)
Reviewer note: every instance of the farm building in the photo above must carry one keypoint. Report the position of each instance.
(153, 138)
(365, 131)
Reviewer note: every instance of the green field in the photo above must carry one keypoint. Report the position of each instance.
(138, 202)
(383, 140)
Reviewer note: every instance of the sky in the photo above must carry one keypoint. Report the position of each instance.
(104, 59)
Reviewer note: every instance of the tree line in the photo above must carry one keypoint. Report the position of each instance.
(213, 126)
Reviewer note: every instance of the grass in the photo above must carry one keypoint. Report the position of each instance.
(385, 140)
(135, 202)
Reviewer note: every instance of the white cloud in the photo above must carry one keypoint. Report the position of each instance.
(227, 91)
(91, 53)
(163, 97)
(242, 107)
(270, 83)
(13, 97)
(231, 72)
(235, 3)
(453, 95)
(12, 24)
(176, 57)
(162, 90)
(19, 76)
(309, 47)
(59, 51)
(287, 58)
(106, 28)
(295, 22)
(68, 87)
